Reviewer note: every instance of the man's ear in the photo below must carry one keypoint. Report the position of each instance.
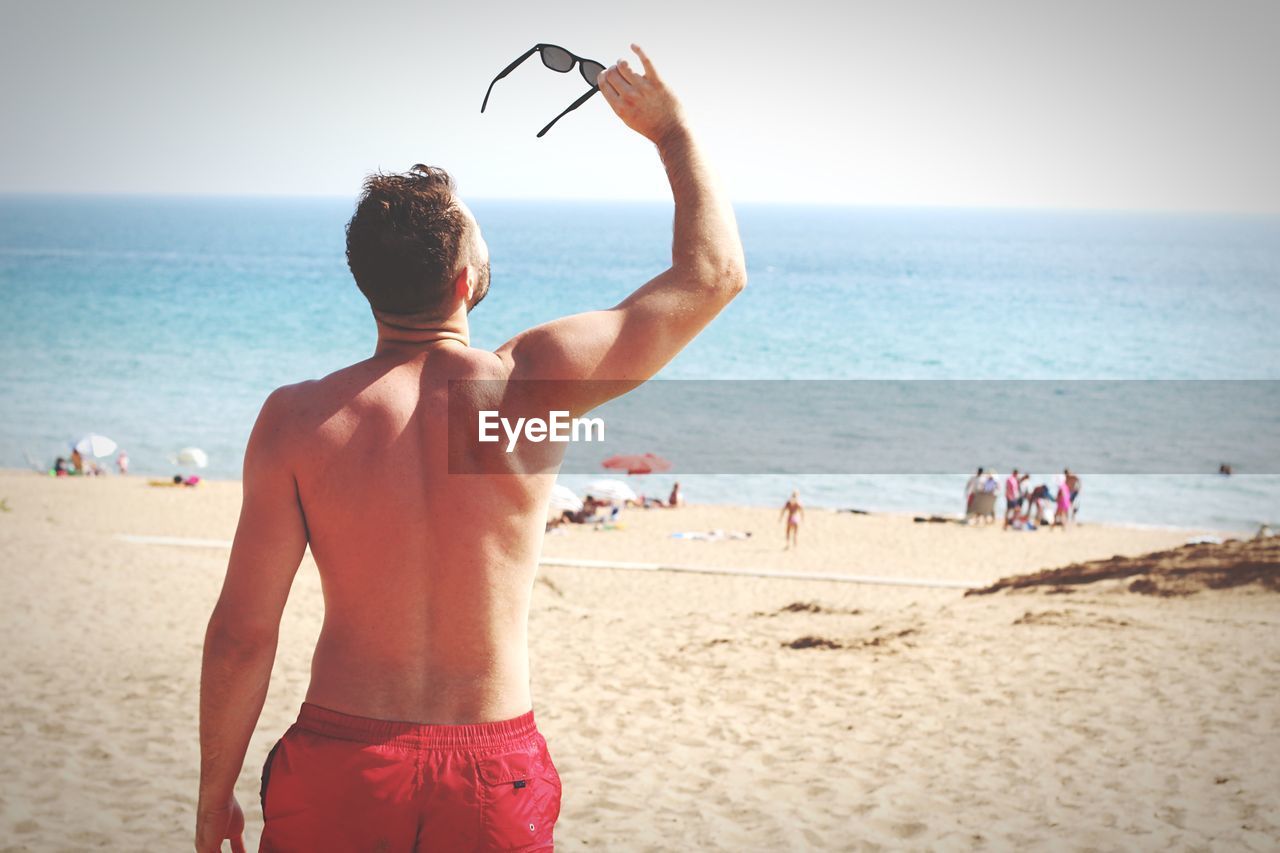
(462, 286)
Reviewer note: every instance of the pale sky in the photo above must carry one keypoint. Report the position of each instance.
(1120, 104)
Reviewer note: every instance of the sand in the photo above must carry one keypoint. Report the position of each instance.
(678, 710)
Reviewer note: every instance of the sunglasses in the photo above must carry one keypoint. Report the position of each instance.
(557, 59)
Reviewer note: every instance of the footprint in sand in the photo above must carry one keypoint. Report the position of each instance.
(1173, 816)
(89, 838)
(815, 840)
(910, 829)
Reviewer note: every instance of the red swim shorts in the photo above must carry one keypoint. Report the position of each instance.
(336, 782)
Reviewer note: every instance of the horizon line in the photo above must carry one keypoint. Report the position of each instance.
(634, 200)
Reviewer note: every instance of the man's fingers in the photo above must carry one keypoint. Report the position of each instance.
(612, 82)
(625, 70)
(649, 70)
(237, 844)
(602, 83)
(620, 81)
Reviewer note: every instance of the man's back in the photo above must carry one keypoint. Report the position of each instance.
(412, 559)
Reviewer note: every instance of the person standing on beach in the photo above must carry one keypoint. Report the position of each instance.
(417, 729)
(1012, 498)
(1073, 484)
(971, 489)
(794, 512)
(1062, 509)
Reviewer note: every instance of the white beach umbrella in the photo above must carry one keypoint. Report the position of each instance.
(94, 445)
(563, 498)
(191, 456)
(614, 490)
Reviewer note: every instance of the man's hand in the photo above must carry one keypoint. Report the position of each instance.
(643, 102)
(216, 823)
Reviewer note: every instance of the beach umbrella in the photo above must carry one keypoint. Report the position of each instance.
(563, 498)
(94, 445)
(614, 490)
(637, 463)
(191, 456)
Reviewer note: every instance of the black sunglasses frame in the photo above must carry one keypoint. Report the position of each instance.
(578, 61)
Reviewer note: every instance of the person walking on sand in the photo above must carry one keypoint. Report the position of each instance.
(793, 510)
(417, 729)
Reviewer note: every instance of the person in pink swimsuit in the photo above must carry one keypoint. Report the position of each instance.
(794, 511)
(1062, 514)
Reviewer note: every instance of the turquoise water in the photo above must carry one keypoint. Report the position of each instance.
(164, 322)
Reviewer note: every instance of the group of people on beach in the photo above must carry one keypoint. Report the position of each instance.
(595, 511)
(82, 464)
(1026, 507)
(77, 466)
(602, 511)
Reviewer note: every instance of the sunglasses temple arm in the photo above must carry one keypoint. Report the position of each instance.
(568, 110)
(512, 67)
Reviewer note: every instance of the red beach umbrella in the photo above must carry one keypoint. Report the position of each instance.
(637, 463)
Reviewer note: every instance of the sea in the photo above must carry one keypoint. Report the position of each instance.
(163, 323)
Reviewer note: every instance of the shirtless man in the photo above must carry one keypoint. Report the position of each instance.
(417, 726)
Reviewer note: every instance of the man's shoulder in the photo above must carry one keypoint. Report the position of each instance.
(293, 417)
(297, 397)
(284, 400)
(276, 426)
(477, 363)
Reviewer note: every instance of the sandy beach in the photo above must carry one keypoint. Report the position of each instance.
(690, 711)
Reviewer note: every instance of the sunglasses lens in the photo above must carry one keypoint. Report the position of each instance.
(591, 70)
(557, 58)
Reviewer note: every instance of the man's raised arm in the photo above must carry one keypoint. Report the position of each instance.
(635, 338)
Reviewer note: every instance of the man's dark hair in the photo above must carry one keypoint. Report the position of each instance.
(407, 239)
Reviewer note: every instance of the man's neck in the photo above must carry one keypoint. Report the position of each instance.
(409, 335)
